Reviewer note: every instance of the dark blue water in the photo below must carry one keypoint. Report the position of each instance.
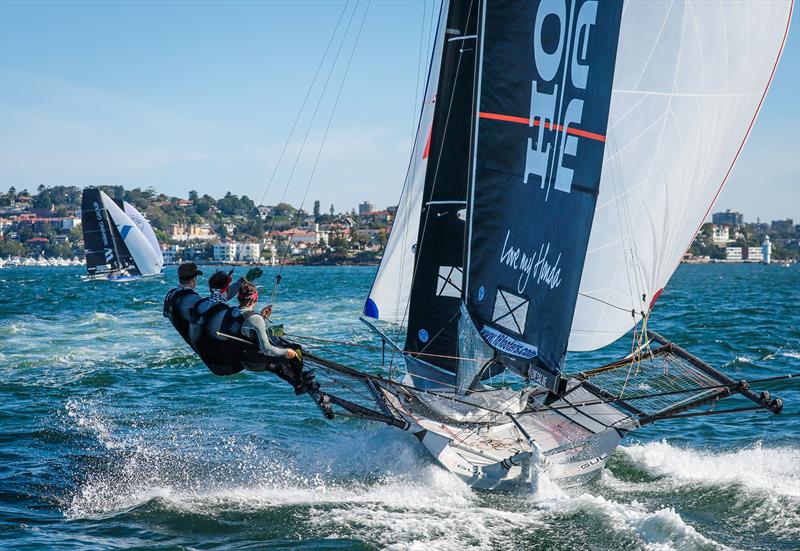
(112, 434)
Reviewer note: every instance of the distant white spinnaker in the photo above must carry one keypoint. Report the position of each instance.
(144, 226)
(139, 247)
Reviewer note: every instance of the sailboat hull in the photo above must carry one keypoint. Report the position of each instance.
(498, 455)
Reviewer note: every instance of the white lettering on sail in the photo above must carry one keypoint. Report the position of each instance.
(537, 264)
(551, 112)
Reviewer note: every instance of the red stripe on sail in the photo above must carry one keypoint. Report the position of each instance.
(558, 128)
(428, 144)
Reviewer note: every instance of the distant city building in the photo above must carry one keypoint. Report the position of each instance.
(721, 234)
(365, 207)
(783, 225)
(70, 222)
(248, 252)
(306, 236)
(744, 254)
(729, 217)
(170, 254)
(754, 254)
(225, 251)
(733, 253)
(379, 216)
(183, 232)
(264, 211)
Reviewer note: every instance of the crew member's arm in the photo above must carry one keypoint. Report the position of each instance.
(233, 289)
(251, 275)
(258, 325)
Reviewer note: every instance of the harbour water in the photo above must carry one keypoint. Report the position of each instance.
(114, 435)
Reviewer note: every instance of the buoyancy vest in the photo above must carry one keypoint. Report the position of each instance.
(171, 312)
(221, 356)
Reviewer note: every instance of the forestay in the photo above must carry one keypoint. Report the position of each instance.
(544, 88)
(689, 81)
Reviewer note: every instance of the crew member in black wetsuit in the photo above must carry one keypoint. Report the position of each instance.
(179, 302)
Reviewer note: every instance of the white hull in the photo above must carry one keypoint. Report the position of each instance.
(488, 450)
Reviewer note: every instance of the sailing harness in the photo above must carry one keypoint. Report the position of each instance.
(222, 357)
(170, 311)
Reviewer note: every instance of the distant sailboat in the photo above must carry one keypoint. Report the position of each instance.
(120, 243)
(566, 153)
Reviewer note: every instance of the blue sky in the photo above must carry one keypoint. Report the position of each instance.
(202, 96)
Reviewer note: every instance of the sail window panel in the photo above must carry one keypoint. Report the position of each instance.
(449, 284)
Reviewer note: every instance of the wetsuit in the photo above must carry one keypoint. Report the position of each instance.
(227, 357)
(178, 306)
(255, 329)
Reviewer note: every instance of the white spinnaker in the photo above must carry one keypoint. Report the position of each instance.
(690, 78)
(390, 293)
(139, 247)
(144, 226)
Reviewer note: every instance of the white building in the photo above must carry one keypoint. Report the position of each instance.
(170, 254)
(754, 254)
(733, 253)
(721, 235)
(181, 232)
(70, 222)
(225, 251)
(248, 252)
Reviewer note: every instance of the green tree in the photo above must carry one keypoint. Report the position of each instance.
(12, 248)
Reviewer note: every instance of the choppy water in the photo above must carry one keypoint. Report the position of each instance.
(113, 435)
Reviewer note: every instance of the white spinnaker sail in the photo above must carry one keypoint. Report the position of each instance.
(690, 78)
(389, 296)
(138, 246)
(144, 226)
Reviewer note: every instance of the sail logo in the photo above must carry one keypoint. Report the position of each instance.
(538, 264)
(109, 254)
(561, 47)
(99, 214)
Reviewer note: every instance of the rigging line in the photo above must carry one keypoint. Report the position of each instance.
(605, 302)
(419, 69)
(314, 115)
(441, 147)
(327, 128)
(374, 347)
(305, 100)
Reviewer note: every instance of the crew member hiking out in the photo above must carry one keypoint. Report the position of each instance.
(180, 301)
(284, 362)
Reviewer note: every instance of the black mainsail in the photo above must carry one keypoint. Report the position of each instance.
(544, 88)
(437, 284)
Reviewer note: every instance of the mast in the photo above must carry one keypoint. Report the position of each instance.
(543, 91)
(435, 296)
